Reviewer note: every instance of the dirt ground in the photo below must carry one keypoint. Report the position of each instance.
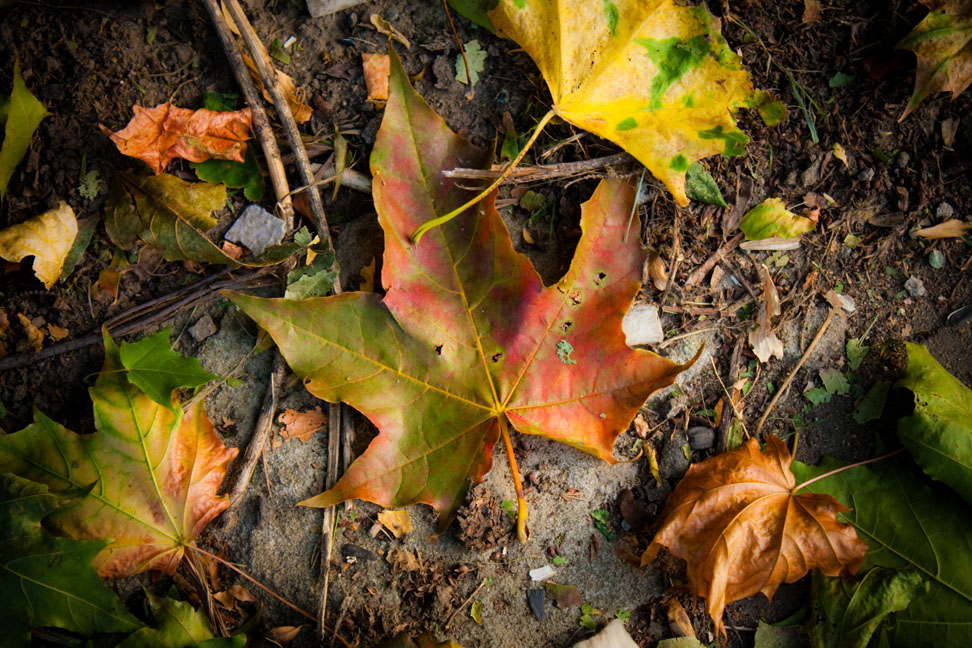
(89, 62)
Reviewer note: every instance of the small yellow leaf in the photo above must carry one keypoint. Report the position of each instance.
(48, 238)
(398, 522)
(376, 70)
(841, 155)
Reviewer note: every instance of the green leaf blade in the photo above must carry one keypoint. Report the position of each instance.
(24, 114)
(158, 371)
(771, 218)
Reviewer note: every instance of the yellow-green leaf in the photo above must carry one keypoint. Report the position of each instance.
(48, 238)
(654, 77)
(24, 115)
(771, 218)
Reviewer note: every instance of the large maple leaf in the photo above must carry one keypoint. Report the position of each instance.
(737, 521)
(467, 338)
(149, 473)
(943, 44)
(654, 77)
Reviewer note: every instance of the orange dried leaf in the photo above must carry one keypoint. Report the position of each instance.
(376, 67)
(35, 337)
(738, 522)
(57, 333)
(158, 135)
(302, 425)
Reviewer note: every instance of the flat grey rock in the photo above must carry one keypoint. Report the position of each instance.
(915, 287)
(256, 229)
(203, 328)
(641, 325)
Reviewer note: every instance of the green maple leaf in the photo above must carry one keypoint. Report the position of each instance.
(467, 341)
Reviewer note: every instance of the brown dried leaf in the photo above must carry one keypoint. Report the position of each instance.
(952, 228)
(812, 11)
(301, 111)
(738, 522)
(678, 620)
(376, 68)
(388, 29)
(655, 270)
(283, 635)
(302, 425)
(763, 340)
(35, 337)
(159, 135)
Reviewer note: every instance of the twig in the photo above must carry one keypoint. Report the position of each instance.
(843, 468)
(793, 373)
(482, 584)
(537, 173)
(254, 450)
(682, 336)
(268, 75)
(676, 254)
(261, 125)
(139, 317)
(329, 523)
(699, 273)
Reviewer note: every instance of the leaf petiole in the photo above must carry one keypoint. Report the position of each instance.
(521, 507)
(843, 468)
(442, 220)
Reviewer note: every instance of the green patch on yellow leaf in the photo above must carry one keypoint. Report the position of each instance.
(23, 115)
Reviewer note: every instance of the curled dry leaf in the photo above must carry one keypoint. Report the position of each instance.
(295, 99)
(655, 270)
(762, 338)
(283, 635)
(376, 69)
(382, 26)
(656, 78)
(35, 337)
(302, 425)
(742, 528)
(943, 44)
(952, 228)
(159, 135)
(678, 619)
(47, 238)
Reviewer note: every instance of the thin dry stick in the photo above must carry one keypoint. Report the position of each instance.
(269, 77)
(676, 253)
(732, 405)
(482, 584)
(261, 125)
(699, 273)
(536, 173)
(726, 422)
(843, 468)
(254, 450)
(793, 373)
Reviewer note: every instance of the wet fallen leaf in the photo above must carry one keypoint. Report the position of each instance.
(952, 228)
(149, 473)
(656, 78)
(943, 44)
(302, 425)
(762, 339)
(464, 344)
(46, 580)
(159, 135)
(771, 219)
(738, 522)
(376, 69)
(23, 115)
(35, 337)
(398, 522)
(173, 216)
(48, 238)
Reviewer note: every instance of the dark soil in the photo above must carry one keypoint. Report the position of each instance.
(89, 62)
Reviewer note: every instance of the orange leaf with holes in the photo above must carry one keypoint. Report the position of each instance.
(737, 521)
(159, 135)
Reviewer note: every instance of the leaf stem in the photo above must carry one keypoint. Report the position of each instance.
(263, 587)
(441, 220)
(521, 507)
(843, 468)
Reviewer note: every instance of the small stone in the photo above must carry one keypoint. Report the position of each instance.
(203, 328)
(915, 287)
(542, 573)
(944, 211)
(536, 597)
(256, 228)
(904, 157)
(641, 325)
(866, 175)
(701, 437)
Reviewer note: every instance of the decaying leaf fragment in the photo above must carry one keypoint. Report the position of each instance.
(376, 68)
(738, 522)
(48, 238)
(952, 228)
(302, 425)
(150, 472)
(159, 135)
(764, 341)
(656, 78)
(467, 341)
(943, 44)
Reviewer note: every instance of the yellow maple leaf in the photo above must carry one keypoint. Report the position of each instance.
(48, 238)
(654, 77)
